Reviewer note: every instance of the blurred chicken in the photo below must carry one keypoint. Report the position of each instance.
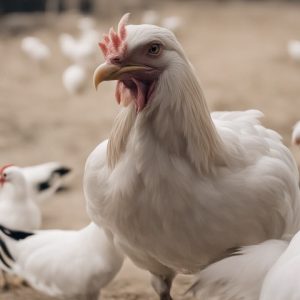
(86, 24)
(178, 187)
(61, 263)
(296, 134)
(294, 49)
(74, 79)
(35, 49)
(18, 210)
(81, 50)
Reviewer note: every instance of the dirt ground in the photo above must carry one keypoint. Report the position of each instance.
(238, 50)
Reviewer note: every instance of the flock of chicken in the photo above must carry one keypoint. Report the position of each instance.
(174, 188)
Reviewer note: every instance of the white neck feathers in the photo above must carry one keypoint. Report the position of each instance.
(177, 113)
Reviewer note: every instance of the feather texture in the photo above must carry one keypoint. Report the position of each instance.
(282, 281)
(62, 263)
(241, 275)
(186, 186)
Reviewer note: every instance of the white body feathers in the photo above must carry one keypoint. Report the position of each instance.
(282, 281)
(65, 263)
(241, 275)
(177, 186)
(191, 220)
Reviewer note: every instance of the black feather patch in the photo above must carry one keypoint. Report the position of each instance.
(5, 250)
(4, 261)
(62, 171)
(43, 186)
(15, 234)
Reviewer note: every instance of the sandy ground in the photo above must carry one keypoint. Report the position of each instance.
(239, 52)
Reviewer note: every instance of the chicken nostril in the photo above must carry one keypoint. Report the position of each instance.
(115, 60)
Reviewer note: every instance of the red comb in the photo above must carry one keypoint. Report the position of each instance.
(114, 43)
(5, 167)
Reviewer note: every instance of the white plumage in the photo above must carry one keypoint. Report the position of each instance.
(62, 263)
(74, 79)
(241, 275)
(294, 49)
(18, 210)
(35, 49)
(178, 187)
(296, 134)
(282, 281)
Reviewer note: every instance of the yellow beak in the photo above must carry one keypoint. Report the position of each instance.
(107, 71)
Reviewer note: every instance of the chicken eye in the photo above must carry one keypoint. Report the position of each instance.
(154, 49)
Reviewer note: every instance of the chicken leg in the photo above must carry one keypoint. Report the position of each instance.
(162, 285)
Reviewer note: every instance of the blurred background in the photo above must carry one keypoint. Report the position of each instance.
(246, 53)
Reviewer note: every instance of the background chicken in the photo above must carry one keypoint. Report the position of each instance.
(50, 260)
(36, 50)
(18, 209)
(294, 49)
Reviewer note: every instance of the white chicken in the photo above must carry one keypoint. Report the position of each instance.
(18, 210)
(61, 263)
(179, 187)
(296, 134)
(294, 49)
(44, 180)
(74, 79)
(35, 49)
(80, 50)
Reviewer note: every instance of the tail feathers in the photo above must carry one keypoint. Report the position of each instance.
(15, 234)
(239, 276)
(5, 250)
(6, 259)
(62, 171)
(51, 181)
